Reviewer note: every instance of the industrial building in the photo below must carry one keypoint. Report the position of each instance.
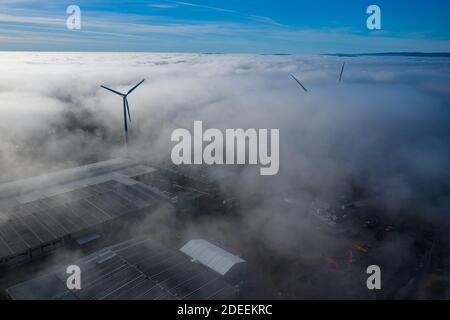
(40, 214)
(138, 269)
(230, 266)
(77, 206)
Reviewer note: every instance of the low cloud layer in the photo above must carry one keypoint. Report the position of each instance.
(384, 129)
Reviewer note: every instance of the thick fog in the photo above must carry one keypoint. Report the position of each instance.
(385, 128)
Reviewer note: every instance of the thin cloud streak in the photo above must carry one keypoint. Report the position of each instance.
(263, 35)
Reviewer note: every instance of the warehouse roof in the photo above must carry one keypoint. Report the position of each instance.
(39, 211)
(132, 270)
(211, 256)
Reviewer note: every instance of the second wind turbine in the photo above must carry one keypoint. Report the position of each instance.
(126, 106)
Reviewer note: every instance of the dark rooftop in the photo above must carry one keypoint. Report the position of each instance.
(132, 270)
(40, 211)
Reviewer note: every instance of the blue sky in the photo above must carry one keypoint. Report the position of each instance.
(241, 26)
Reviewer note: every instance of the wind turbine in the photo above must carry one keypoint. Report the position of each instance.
(342, 71)
(126, 106)
(300, 84)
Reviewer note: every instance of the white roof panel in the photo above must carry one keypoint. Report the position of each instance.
(211, 256)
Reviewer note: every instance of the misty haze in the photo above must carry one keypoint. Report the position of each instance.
(364, 164)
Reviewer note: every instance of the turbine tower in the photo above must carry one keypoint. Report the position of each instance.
(126, 106)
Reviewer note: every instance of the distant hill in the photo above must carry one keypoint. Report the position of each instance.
(275, 54)
(393, 54)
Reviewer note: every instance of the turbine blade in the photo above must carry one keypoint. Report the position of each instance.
(342, 71)
(299, 83)
(134, 88)
(114, 91)
(128, 109)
